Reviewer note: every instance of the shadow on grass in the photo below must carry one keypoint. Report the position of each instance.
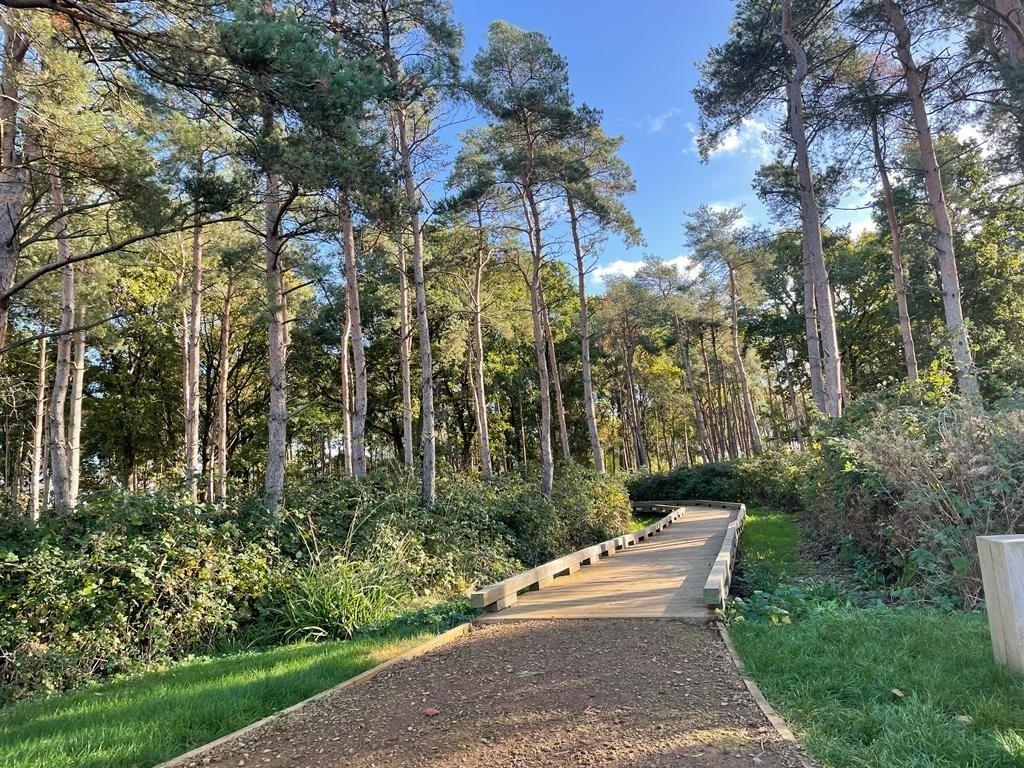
(152, 717)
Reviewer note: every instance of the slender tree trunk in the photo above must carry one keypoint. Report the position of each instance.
(556, 378)
(713, 419)
(477, 346)
(741, 371)
(589, 404)
(636, 422)
(75, 427)
(192, 342)
(682, 346)
(906, 332)
(220, 472)
(428, 438)
(346, 394)
(358, 444)
(815, 271)
(1011, 19)
(13, 173)
(58, 444)
(967, 376)
(35, 476)
(547, 464)
(405, 353)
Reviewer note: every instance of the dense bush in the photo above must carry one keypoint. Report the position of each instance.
(128, 581)
(912, 487)
(905, 485)
(772, 479)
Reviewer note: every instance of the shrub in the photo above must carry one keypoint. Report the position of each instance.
(134, 580)
(772, 479)
(913, 488)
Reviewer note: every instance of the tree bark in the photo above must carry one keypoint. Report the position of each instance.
(684, 356)
(35, 476)
(58, 443)
(820, 313)
(547, 464)
(589, 404)
(633, 410)
(13, 172)
(956, 327)
(192, 342)
(906, 331)
(556, 379)
(358, 445)
(428, 439)
(405, 353)
(75, 427)
(220, 484)
(479, 392)
(346, 393)
(741, 371)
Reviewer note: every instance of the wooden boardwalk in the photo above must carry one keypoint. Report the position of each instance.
(661, 577)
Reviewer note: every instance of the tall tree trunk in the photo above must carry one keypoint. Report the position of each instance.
(35, 475)
(967, 376)
(220, 484)
(192, 342)
(589, 404)
(428, 438)
(682, 347)
(713, 418)
(346, 393)
(547, 464)
(405, 353)
(477, 346)
(277, 325)
(75, 427)
(741, 371)
(58, 447)
(633, 410)
(815, 271)
(13, 173)
(906, 332)
(556, 379)
(358, 446)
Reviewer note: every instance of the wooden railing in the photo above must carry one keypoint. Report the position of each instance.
(716, 588)
(502, 594)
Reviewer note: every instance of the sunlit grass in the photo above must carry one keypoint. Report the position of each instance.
(832, 676)
(150, 718)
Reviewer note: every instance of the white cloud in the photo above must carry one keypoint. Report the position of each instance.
(860, 226)
(655, 123)
(973, 132)
(628, 268)
(747, 140)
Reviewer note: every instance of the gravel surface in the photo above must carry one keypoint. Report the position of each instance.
(625, 692)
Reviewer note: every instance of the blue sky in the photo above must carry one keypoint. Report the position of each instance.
(637, 62)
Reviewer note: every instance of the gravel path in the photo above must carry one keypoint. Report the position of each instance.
(539, 694)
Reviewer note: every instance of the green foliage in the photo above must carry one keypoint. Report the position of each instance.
(772, 479)
(130, 581)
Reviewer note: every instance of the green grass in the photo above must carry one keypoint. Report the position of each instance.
(832, 675)
(146, 719)
(642, 521)
(769, 548)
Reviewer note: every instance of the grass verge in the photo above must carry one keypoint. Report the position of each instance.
(146, 719)
(877, 687)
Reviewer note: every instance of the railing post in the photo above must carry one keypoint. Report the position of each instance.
(1002, 572)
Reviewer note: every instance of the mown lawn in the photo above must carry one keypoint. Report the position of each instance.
(879, 687)
(153, 717)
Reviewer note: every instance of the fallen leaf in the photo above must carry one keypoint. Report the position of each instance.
(431, 712)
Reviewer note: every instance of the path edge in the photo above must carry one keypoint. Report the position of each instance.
(363, 677)
(773, 717)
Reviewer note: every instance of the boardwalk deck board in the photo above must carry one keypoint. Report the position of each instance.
(662, 576)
